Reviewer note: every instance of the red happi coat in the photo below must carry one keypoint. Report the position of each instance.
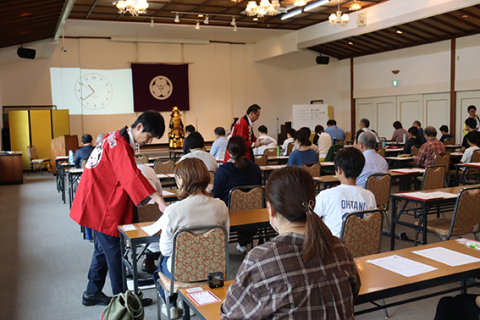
(109, 184)
(242, 128)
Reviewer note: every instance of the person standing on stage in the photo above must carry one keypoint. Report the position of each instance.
(110, 189)
(244, 128)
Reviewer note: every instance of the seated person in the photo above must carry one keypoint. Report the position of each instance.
(413, 141)
(99, 138)
(303, 154)
(219, 147)
(195, 209)
(237, 172)
(335, 132)
(84, 153)
(196, 145)
(311, 273)
(334, 203)
(421, 134)
(472, 139)
(324, 142)
(188, 130)
(470, 126)
(462, 306)
(287, 141)
(374, 163)
(399, 133)
(430, 149)
(263, 136)
(445, 135)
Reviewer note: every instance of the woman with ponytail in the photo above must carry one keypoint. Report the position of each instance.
(305, 272)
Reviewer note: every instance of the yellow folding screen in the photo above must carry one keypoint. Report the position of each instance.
(20, 134)
(60, 123)
(41, 129)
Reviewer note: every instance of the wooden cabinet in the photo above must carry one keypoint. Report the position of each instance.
(11, 169)
(60, 147)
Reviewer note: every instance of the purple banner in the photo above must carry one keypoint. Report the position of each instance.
(160, 87)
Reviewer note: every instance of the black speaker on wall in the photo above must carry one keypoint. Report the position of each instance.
(26, 53)
(322, 60)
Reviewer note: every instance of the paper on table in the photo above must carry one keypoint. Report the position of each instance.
(430, 195)
(412, 170)
(266, 141)
(162, 175)
(153, 228)
(473, 164)
(129, 227)
(402, 266)
(326, 163)
(203, 297)
(166, 193)
(447, 256)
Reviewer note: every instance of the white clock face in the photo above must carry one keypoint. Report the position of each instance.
(94, 91)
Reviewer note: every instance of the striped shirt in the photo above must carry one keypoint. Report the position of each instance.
(274, 282)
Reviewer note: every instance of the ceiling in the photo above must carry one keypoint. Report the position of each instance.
(445, 26)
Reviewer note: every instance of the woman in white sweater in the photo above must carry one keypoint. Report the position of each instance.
(196, 209)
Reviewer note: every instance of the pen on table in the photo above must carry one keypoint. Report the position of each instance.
(471, 245)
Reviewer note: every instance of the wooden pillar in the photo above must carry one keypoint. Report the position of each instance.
(453, 94)
(352, 102)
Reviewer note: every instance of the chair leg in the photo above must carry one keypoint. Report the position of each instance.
(385, 311)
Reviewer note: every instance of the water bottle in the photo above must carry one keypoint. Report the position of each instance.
(404, 137)
(278, 151)
(383, 144)
(70, 157)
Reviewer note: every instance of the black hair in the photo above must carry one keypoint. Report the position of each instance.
(351, 161)
(190, 128)
(414, 132)
(472, 136)
(397, 125)
(291, 132)
(262, 129)
(472, 123)
(302, 136)
(152, 122)
(319, 128)
(443, 128)
(195, 141)
(331, 122)
(253, 108)
(86, 138)
(237, 147)
(365, 122)
(219, 131)
(430, 131)
(471, 107)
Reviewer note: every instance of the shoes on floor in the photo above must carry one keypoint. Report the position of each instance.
(175, 313)
(149, 266)
(242, 249)
(97, 298)
(147, 302)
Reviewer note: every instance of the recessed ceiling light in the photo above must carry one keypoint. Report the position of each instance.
(255, 19)
(399, 31)
(350, 43)
(464, 16)
(200, 15)
(25, 14)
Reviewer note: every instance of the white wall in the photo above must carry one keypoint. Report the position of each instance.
(467, 75)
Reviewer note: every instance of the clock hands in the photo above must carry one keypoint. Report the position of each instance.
(93, 91)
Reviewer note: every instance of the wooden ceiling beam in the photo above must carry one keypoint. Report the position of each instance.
(374, 40)
(363, 42)
(396, 40)
(415, 31)
(448, 24)
(468, 13)
(333, 47)
(462, 21)
(434, 27)
(91, 9)
(381, 38)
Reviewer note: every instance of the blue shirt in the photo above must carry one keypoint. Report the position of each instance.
(374, 163)
(445, 136)
(81, 154)
(297, 157)
(336, 133)
(219, 145)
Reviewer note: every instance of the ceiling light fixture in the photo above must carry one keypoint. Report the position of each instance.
(264, 8)
(350, 43)
(206, 20)
(399, 31)
(255, 19)
(299, 3)
(235, 28)
(134, 7)
(315, 5)
(200, 15)
(355, 6)
(197, 26)
(338, 17)
(464, 16)
(291, 14)
(177, 19)
(152, 23)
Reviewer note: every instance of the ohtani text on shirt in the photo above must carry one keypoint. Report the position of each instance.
(355, 205)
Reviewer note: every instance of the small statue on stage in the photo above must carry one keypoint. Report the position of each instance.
(176, 132)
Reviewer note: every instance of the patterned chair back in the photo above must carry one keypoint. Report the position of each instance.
(245, 198)
(442, 159)
(148, 213)
(270, 152)
(348, 136)
(164, 167)
(141, 158)
(290, 148)
(379, 184)
(449, 141)
(362, 236)
(312, 168)
(476, 156)
(261, 160)
(381, 152)
(465, 216)
(195, 256)
(433, 178)
(415, 150)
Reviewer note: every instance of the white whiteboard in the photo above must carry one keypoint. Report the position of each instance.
(309, 115)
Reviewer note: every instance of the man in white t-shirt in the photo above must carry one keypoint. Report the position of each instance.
(472, 139)
(264, 138)
(287, 141)
(196, 144)
(334, 203)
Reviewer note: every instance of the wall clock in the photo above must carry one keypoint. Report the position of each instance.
(94, 91)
